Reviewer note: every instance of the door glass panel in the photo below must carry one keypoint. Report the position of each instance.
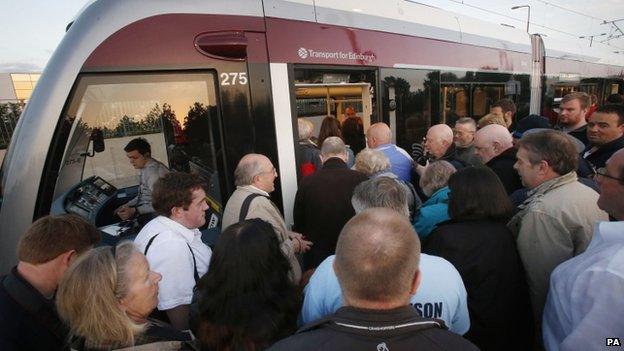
(407, 104)
(455, 102)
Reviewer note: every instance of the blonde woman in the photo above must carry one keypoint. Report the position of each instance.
(106, 298)
(375, 164)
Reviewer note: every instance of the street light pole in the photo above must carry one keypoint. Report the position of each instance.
(528, 15)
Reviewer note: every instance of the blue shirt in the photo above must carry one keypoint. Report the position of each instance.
(432, 212)
(585, 304)
(441, 293)
(400, 161)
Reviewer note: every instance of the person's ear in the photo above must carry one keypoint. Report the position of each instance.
(544, 167)
(496, 146)
(416, 282)
(176, 211)
(68, 257)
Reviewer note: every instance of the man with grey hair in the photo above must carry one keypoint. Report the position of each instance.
(377, 264)
(434, 183)
(380, 192)
(464, 134)
(374, 164)
(255, 177)
(323, 201)
(555, 223)
(309, 155)
(494, 145)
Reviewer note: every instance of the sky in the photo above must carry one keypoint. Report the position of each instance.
(31, 29)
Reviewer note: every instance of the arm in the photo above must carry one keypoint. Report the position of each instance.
(595, 315)
(173, 260)
(543, 243)
(151, 177)
(179, 317)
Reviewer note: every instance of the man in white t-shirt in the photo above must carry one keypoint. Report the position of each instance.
(172, 243)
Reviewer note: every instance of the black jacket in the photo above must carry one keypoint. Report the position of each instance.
(30, 323)
(580, 134)
(599, 157)
(323, 207)
(502, 165)
(484, 252)
(359, 329)
(453, 158)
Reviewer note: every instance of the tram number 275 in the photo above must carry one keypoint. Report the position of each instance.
(233, 78)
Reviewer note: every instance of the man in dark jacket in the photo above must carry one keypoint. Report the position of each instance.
(494, 144)
(605, 132)
(377, 260)
(323, 202)
(28, 318)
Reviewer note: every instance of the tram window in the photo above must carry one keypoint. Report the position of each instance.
(455, 102)
(407, 96)
(176, 113)
(485, 96)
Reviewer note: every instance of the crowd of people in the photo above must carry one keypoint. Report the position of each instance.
(507, 235)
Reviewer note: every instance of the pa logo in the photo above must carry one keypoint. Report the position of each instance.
(303, 53)
(613, 342)
(382, 347)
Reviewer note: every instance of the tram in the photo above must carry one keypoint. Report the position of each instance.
(206, 82)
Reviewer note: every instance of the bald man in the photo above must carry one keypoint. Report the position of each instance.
(255, 179)
(494, 145)
(439, 145)
(379, 137)
(377, 265)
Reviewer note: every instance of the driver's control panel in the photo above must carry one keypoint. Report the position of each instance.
(86, 198)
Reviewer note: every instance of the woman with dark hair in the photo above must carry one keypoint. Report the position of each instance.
(353, 133)
(477, 242)
(247, 301)
(329, 128)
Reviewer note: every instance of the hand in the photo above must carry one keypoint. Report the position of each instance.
(295, 235)
(421, 169)
(125, 212)
(302, 245)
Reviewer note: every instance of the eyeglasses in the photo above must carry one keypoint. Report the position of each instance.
(603, 173)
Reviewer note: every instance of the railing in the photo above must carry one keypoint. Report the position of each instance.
(7, 126)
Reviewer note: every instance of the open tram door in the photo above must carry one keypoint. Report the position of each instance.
(316, 101)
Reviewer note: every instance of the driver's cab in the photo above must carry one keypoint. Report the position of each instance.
(175, 112)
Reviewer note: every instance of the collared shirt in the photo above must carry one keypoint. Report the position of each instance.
(441, 294)
(585, 304)
(254, 189)
(400, 161)
(152, 171)
(170, 256)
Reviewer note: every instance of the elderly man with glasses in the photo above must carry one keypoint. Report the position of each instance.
(584, 305)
